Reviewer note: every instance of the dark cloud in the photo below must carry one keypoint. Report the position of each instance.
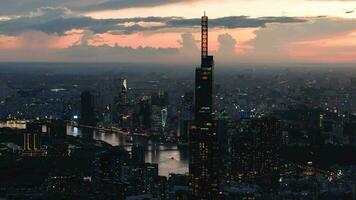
(235, 22)
(19, 7)
(349, 11)
(59, 20)
(119, 4)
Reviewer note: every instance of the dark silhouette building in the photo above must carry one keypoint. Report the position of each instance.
(56, 129)
(186, 116)
(138, 153)
(87, 108)
(143, 118)
(203, 141)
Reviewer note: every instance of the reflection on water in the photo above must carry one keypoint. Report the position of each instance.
(170, 158)
(17, 124)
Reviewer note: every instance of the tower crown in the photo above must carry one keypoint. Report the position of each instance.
(204, 36)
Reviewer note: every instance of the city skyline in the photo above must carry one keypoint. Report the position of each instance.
(293, 31)
(90, 107)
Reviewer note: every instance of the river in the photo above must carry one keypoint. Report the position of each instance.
(170, 158)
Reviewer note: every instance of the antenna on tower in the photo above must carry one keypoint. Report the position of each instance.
(204, 37)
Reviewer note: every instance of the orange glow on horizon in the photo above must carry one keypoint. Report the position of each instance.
(340, 40)
(30, 40)
(324, 56)
(333, 49)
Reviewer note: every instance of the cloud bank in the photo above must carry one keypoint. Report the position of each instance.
(60, 20)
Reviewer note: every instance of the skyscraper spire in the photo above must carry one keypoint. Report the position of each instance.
(204, 37)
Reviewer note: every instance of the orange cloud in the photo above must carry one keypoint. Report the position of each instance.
(333, 49)
(9, 42)
(171, 39)
(241, 35)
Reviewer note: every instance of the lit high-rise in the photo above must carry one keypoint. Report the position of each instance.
(203, 141)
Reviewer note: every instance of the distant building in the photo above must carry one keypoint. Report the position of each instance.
(56, 129)
(88, 116)
(225, 129)
(110, 162)
(141, 197)
(68, 111)
(143, 114)
(141, 177)
(160, 188)
(123, 112)
(255, 151)
(186, 116)
(178, 186)
(241, 192)
(159, 102)
(138, 154)
(32, 140)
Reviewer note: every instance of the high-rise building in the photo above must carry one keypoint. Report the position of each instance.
(87, 108)
(124, 109)
(106, 116)
(156, 120)
(68, 111)
(87, 113)
(144, 113)
(255, 151)
(226, 128)
(203, 140)
(159, 102)
(140, 176)
(186, 116)
(178, 186)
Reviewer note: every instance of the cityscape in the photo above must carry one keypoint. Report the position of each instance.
(172, 131)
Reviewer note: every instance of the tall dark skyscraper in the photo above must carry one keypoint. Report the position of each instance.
(203, 140)
(87, 108)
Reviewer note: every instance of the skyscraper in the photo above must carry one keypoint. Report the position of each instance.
(144, 113)
(87, 108)
(203, 141)
(186, 116)
(87, 113)
(159, 103)
(124, 109)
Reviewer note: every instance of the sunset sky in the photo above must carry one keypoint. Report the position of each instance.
(162, 31)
